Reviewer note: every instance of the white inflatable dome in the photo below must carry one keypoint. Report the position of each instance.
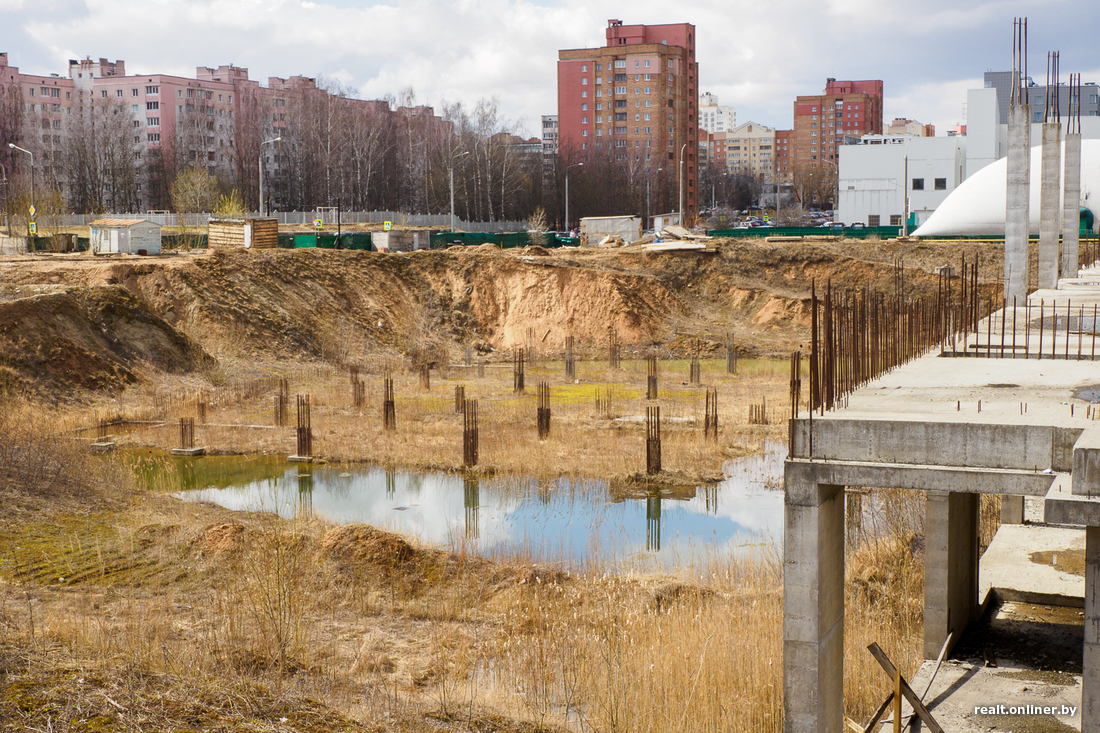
(977, 206)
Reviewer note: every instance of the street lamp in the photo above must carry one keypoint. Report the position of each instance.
(567, 194)
(682, 148)
(13, 146)
(452, 174)
(4, 182)
(260, 167)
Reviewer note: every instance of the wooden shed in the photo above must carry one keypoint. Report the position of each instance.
(243, 233)
(125, 236)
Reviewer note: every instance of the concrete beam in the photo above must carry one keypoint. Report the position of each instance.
(1086, 463)
(1050, 205)
(1071, 206)
(1062, 506)
(975, 445)
(950, 566)
(813, 607)
(1017, 202)
(923, 478)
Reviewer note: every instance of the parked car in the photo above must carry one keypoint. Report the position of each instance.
(858, 225)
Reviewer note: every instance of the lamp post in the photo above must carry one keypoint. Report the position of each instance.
(4, 183)
(260, 167)
(452, 174)
(567, 229)
(682, 148)
(13, 146)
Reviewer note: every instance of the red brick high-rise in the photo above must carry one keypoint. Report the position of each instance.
(636, 99)
(823, 121)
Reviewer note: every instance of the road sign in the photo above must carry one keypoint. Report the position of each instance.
(387, 225)
(316, 223)
(33, 210)
(33, 228)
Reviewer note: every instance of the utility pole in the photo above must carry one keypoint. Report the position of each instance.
(260, 165)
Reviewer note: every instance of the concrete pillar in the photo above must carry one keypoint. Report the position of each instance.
(1090, 684)
(1071, 206)
(1012, 509)
(1050, 204)
(1017, 202)
(813, 604)
(950, 566)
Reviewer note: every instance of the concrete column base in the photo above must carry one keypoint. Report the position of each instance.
(950, 566)
(1090, 683)
(813, 603)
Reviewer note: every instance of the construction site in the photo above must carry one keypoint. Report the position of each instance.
(936, 401)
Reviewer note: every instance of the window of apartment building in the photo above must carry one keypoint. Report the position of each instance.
(118, 93)
(670, 78)
(599, 80)
(599, 106)
(620, 102)
(219, 97)
(584, 67)
(599, 132)
(813, 150)
(152, 105)
(133, 92)
(813, 157)
(152, 121)
(620, 143)
(637, 90)
(102, 93)
(671, 118)
(813, 109)
(599, 119)
(918, 184)
(647, 103)
(647, 130)
(584, 133)
(618, 78)
(584, 81)
(646, 116)
(584, 120)
(584, 93)
(133, 108)
(620, 63)
(895, 220)
(229, 99)
(620, 116)
(872, 220)
(152, 90)
(813, 133)
(637, 118)
(584, 108)
(647, 90)
(813, 124)
(941, 184)
(584, 146)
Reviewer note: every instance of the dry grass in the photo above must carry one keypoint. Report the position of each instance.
(145, 613)
(582, 442)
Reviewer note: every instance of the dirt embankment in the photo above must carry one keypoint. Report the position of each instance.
(89, 323)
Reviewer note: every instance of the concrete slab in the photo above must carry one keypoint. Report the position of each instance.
(1034, 564)
(188, 451)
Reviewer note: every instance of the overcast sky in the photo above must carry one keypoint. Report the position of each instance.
(756, 56)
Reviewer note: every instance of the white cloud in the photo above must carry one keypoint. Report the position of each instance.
(474, 49)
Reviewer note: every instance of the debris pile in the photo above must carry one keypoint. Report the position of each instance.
(674, 238)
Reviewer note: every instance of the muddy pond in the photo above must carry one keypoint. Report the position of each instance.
(577, 523)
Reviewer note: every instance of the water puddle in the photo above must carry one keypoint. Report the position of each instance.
(574, 522)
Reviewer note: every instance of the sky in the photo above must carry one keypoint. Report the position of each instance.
(755, 56)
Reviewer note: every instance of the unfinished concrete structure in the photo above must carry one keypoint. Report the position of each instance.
(921, 427)
(1018, 195)
(1050, 188)
(1071, 196)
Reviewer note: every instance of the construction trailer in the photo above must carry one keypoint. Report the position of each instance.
(243, 233)
(125, 236)
(595, 228)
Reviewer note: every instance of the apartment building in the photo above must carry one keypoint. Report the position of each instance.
(550, 134)
(846, 111)
(784, 155)
(635, 99)
(1037, 96)
(748, 149)
(903, 126)
(714, 117)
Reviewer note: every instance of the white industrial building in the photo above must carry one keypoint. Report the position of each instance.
(879, 173)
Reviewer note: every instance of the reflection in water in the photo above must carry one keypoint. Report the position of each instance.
(653, 521)
(570, 520)
(471, 499)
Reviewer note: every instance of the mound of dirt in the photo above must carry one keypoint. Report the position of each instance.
(364, 545)
(91, 339)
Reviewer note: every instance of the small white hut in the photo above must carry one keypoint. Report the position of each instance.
(125, 236)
